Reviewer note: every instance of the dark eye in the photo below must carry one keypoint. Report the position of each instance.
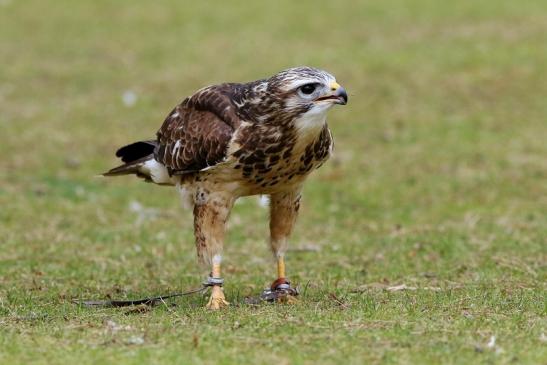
(308, 89)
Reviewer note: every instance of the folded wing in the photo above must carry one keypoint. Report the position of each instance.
(196, 134)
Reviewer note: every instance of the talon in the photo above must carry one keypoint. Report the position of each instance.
(287, 299)
(217, 300)
(217, 303)
(280, 292)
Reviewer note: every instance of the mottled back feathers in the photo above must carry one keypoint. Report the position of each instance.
(195, 135)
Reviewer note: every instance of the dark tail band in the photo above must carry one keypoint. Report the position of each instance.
(134, 155)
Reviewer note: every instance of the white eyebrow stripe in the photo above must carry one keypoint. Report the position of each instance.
(297, 83)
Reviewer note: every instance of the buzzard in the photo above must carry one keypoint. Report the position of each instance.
(232, 140)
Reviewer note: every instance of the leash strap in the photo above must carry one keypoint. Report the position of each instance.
(152, 301)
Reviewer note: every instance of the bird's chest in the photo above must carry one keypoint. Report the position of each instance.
(273, 159)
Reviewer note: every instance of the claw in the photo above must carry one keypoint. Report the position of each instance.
(280, 292)
(287, 299)
(217, 300)
(217, 303)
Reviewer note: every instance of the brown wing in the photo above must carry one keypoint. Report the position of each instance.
(195, 135)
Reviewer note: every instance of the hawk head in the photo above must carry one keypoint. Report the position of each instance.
(307, 87)
(300, 93)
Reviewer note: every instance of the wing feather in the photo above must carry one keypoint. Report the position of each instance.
(196, 134)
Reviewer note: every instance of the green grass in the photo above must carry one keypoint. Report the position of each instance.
(439, 182)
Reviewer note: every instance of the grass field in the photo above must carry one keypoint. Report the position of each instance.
(422, 241)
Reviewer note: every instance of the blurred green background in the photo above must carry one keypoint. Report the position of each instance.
(438, 183)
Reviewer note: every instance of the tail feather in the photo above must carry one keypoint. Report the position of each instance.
(136, 150)
(132, 167)
(135, 156)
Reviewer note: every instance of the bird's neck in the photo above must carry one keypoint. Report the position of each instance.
(309, 127)
(310, 124)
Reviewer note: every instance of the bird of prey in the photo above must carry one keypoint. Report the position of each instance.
(232, 140)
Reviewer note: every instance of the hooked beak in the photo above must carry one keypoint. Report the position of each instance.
(338, 95)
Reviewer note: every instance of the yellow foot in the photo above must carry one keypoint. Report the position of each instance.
(217, 299)
(287, 299)
(217, 303)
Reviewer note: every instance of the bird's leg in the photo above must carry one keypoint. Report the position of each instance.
(217, 299)
(281, 266)
(211, 211)
(283, 212)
